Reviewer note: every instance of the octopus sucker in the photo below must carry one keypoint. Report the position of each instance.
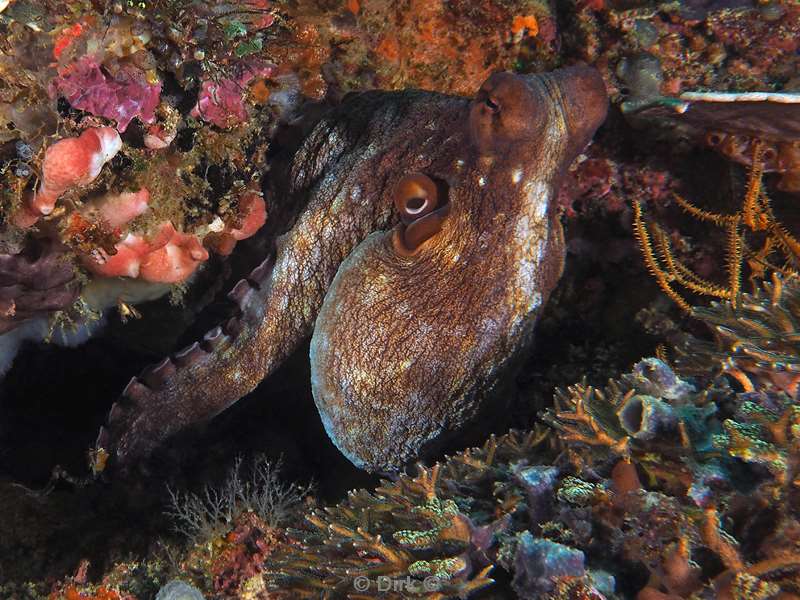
(419, 226)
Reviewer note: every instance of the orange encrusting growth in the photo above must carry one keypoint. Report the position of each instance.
(526, 22)
(389, 48)
(65, 38)
(72, 593)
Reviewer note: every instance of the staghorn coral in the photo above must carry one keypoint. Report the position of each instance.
(712, 457)
(690, 481)
(443, 523)
(656, 470)
(649, 415)
(756, 343)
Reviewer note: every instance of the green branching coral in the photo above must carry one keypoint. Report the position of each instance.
(722, 466)
(757, 344)
(689, 479)
(432, 535)
(767, 436)
(712, 460)
(587, 415)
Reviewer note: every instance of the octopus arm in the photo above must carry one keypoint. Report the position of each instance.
(340, 172)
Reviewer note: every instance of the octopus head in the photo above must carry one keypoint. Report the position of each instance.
(517, 113)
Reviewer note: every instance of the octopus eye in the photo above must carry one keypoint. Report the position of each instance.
(416, 196)
(492, 105)
(769, 154)
(421, 209)
(488, 101)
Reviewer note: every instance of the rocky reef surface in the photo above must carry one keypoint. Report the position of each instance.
(654, 451)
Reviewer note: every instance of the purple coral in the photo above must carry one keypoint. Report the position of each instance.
(34, 282)
(122, 96)
(539, 562)
(221, 102)
(538, 483)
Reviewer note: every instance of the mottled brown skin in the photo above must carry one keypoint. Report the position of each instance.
(407, 348)
(423, 304)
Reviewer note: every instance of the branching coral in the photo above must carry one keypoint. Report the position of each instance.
(713, 458)
(657, 470)
(439, 534)
(776, 244)
(649, 407)
(431, 535)
(690, 481)
(757, 344)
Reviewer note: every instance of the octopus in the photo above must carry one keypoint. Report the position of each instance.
(427, 245)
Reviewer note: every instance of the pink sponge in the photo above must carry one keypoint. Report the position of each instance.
(168, 257)
(74, 161)
(176, 260)
(251, 216)
(117, 210)
(253, 213)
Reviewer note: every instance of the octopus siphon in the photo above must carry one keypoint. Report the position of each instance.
(426, 247)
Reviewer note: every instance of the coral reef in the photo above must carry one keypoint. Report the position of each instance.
(669, 47)
(121, 98)
(755, 344)
(709, 455)
(417, 532)
(652, 472)
(672, 482)
(233, 529)
(678, 480)
(110, 166)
